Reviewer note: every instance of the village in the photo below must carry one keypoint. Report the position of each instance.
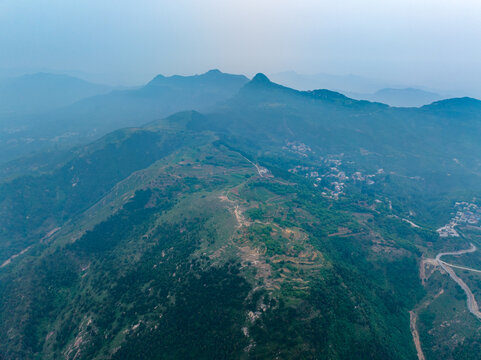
(328, 176)
(466, 214)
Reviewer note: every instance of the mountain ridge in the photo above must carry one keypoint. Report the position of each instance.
(276, 222)
(93, 117)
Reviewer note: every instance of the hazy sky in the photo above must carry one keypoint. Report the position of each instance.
(435, 43)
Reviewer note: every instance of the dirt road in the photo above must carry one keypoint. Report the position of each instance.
(414, 331)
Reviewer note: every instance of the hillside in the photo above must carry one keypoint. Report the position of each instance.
(198, 224)
(93, 117)
(294, 224)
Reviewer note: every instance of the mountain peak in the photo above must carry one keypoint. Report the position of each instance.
(213, 72)
(209, 76)
(261, 83)
(157, 78)
(260, 78)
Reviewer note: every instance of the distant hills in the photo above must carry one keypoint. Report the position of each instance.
(42, 91)
(358, 87)
(159, 98)
(91, 117)
(94, 116)
(348, 83)
(263, 111)
(407, 97)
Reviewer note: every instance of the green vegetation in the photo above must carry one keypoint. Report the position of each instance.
(283, 224)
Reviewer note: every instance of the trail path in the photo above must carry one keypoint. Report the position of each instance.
(407, 221)
(13, 257)
(411, 223)
(414, 331)
(413, 317)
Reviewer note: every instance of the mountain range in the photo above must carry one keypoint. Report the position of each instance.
(39, 92)
(92, 117)
(405, 97)
(214, 217)
(360, 88)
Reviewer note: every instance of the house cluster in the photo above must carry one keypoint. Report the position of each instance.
(297, 148)
(358, 176)
(330, 170)
(341, 178)
(448, 230)
(301, 169)
(337, 178)
(466, 213)
(337, 188)
(336, 173)
(333, 160)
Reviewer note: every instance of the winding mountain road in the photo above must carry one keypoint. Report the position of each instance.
(471, 301)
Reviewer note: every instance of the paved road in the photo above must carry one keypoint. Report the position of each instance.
(471, 301)
(461, 267)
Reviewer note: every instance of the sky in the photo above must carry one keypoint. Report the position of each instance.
(430, 43)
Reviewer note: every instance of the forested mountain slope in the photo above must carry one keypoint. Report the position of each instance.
(278, 224)
(93, 117)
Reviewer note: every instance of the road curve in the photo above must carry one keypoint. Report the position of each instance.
(461, 267)
(471, 301)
